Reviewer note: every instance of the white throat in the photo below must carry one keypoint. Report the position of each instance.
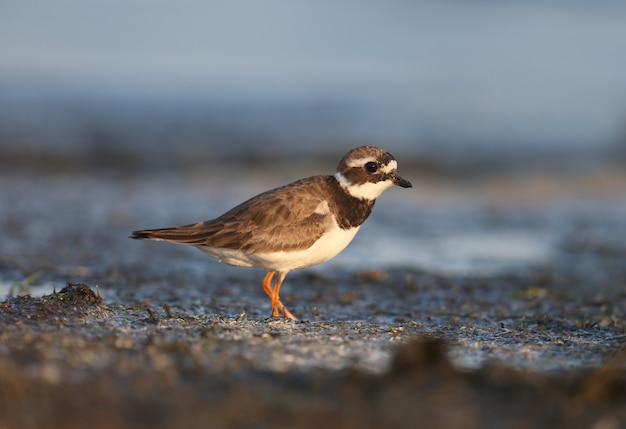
(364, 191)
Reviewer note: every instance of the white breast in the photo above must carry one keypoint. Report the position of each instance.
(328, 246)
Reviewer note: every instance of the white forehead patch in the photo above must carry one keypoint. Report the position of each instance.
(364, 191)
(392, 166)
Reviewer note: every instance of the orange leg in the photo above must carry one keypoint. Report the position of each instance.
(267, 288)
(276, 297)
(267, 283)
(273, 293)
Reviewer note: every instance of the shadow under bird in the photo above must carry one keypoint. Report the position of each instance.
(298, 225)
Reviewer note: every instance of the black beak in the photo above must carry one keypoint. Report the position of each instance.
(399, 181)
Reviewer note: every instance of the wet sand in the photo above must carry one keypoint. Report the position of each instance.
(152, 335)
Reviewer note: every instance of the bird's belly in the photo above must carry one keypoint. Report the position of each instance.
(328, 246)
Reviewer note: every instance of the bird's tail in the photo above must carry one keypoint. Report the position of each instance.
(176, 234)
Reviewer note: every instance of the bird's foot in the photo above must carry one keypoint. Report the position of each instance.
(286, 312)
(279, 307)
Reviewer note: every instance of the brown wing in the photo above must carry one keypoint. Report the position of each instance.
(285, 218)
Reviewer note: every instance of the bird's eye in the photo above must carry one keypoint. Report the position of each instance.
(372, 167)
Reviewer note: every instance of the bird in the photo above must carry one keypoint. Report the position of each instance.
(301, 224)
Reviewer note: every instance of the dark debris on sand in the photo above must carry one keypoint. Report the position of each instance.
(75, 299)
(180, 342)
(68, 360)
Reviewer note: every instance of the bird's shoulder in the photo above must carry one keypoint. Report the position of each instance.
(284, 205)
(285, 218)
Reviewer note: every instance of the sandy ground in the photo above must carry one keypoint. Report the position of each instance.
(119, 333)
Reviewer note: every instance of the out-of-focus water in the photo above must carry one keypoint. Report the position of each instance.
(71, 229)
(481, 253)
(154, 92)
(221, 79)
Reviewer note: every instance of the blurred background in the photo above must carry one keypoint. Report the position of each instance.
(508, 117)
(447, 86)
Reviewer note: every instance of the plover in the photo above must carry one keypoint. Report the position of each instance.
(298, 225)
